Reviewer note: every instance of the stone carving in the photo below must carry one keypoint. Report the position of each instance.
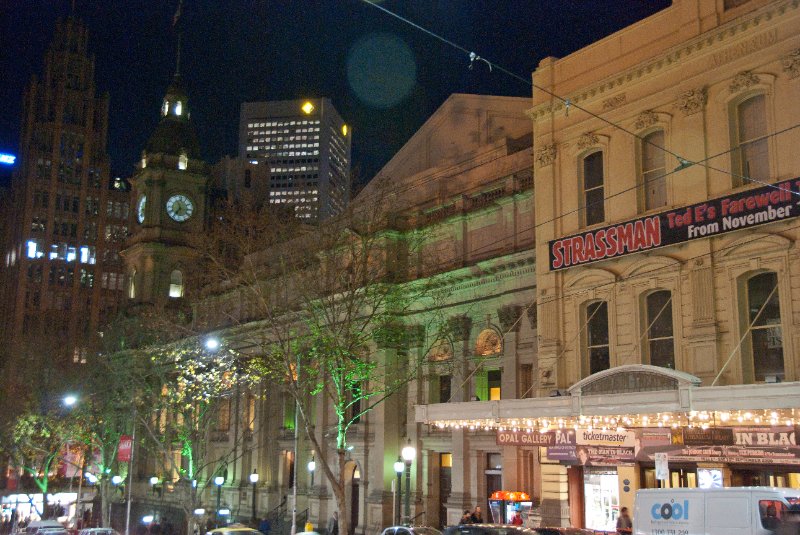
(743, 80)
(692, 101)
(588, 139)
(613, 102)
(460, 326)
(791, 63)
(442, 350)
(489, 343)
(645, 119)
(546, 155)
(509, 317)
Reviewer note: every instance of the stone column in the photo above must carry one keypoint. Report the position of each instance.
(460, 476)
(555, 495)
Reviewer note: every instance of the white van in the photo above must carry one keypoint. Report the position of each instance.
(728, 511)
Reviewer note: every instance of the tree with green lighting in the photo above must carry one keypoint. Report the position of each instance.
(180, 389)
(314, 307)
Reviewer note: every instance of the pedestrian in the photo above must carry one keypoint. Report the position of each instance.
(333, 524)
(624, 522)
(516, 520)
(476, 517)
(466, 518)
(264, 526)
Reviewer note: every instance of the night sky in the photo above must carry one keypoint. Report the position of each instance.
(384, 77)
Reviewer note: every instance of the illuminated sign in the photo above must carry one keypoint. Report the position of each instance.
(707, 219)
(7, 159)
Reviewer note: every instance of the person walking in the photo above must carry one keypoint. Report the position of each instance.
(624, 522)
(333, 524)
(466, 518)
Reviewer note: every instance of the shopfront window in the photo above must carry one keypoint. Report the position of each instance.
(601, 498)
(597, 355)
(660, 340)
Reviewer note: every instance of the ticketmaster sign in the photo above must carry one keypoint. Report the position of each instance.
(742, 210)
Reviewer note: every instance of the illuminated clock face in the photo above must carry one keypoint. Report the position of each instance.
(140, 209)
(180, 207)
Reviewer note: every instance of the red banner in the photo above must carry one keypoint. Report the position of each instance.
(124, 449)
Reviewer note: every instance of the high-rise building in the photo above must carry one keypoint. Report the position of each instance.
(61, 270)
(307, 147)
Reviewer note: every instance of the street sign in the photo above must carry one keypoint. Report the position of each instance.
(662, 466)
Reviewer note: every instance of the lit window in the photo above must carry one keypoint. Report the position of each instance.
(660, 340)
(178, 108)
(750, 154)
(597, 354)
(183, 161)
(176, 284)
(165, 108)
(764, 348)
(654, 180)
(307, 107)
(31, 247)
(71, 254)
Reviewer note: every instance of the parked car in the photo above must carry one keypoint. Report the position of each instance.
(234, 529)
(410, 530)
(506, 529)
(98, 531)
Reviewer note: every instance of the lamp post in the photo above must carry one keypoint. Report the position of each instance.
(408, 453)
(153, 483)
(218, 481)
(254, 481)
(312, 465)
(398, 468)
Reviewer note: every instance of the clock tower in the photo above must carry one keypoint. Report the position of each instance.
(169, 196)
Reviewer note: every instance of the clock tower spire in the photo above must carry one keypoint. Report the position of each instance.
(170, 186)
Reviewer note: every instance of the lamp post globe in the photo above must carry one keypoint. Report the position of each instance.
(254, 481)
(399, 466)
(218, 481)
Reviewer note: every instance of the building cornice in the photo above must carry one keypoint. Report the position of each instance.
(679, 53)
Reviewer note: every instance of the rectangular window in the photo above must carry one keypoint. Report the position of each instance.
(654, 180)
(598, 354)
(660, 340)
(593, 196)
(751, 157)
(224, 414)
(766, 334)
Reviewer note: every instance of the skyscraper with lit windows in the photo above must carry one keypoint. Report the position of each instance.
(307, 147)
(61, 274)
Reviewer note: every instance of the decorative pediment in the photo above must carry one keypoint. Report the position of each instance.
(656, 265)
(587, 140)
(546, 155)
(590, 278)
(633, 378)
(754, 245)
(645, 119)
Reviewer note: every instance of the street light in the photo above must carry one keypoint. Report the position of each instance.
(212, 344)
(218, 481)
(70, 400)
(408, 453)
(398, 468)
(254, 481)
(312, 465)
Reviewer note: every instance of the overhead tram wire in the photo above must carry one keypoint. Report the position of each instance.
(472, 56)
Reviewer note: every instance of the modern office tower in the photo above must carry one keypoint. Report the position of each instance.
(307, 147)
(62, 274)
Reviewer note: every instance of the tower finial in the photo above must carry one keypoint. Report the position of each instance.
(175, 20)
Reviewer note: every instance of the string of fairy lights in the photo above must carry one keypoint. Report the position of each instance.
(624, 422)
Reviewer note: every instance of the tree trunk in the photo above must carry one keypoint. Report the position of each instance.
(341, 496)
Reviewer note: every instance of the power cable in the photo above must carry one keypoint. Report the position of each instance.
(565, 100)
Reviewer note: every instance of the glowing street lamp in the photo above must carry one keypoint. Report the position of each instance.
(409, 453)
(212, 344)
(398, 468)
(218, 481)
(70, 400)
(312, 465)
(254, 481)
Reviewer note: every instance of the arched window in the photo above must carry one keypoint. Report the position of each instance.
(592, 202)
(178, 108)
(440, 378)
(764, 341)
(660, 340)
(165, 107)
(654, 182)
(132, 285)
(750, 151)
(176, 284)
(596, 351)
(183, 161)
